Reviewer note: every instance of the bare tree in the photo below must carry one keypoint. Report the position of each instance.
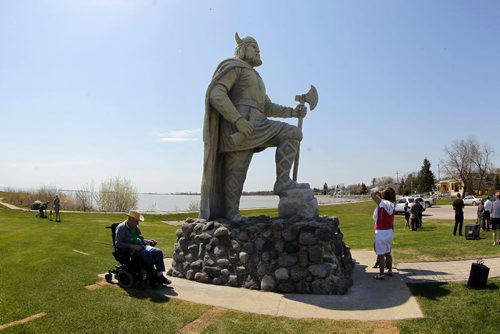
(383, 181)
(46, 193)
(117, 194)
(464, 157)
(85, 197)
(481, 158)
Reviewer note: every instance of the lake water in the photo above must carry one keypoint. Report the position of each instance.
(174, 203)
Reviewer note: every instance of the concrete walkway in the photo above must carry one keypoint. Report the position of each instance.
(426, 272)
(11, 206)
(367, 299)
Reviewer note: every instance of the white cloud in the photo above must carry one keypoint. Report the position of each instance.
(180, 136)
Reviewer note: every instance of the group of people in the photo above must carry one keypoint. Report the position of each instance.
(384, 213)
(56, 207)
(415, 214)
(488, 214)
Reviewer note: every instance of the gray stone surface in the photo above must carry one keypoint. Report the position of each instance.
(298, 202)
(236, 124)
(287, 250)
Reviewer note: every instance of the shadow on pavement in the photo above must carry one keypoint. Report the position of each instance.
(366, 293)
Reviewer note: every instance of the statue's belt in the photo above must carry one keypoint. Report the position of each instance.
(250, 103)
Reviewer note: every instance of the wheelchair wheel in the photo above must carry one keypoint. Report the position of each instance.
(108, 277)
(125, 279)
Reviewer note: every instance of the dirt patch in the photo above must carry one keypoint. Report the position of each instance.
(202, 322)
(97, 285)
(173, 222)
(22, 321)
(381, 327)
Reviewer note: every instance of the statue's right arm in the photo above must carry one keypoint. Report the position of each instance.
(219, 98)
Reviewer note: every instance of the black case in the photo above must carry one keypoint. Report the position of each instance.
(472, 232)
(478, 276)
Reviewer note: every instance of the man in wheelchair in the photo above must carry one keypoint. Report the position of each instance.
(128, 237)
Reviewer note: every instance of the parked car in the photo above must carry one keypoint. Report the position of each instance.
(427, 201)
(400, 204)
(471, 200)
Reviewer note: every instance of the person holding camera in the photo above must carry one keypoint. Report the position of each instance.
(383, 216)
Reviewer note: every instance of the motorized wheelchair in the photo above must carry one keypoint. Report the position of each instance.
(132, 271)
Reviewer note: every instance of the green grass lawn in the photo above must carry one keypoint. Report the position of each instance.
(40, 271)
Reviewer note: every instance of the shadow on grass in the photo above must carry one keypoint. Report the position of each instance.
(432, 291)
(426, 228)
(156, 295)
(491, 286)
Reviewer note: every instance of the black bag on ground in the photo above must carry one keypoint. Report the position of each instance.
(478, 275)
(472, 232)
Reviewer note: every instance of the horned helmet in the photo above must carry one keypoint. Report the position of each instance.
(241, 44)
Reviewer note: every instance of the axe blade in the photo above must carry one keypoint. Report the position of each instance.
(312, 97)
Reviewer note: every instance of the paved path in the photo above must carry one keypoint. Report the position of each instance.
(367, 299)
(11, 206)
(446, 212)
(435, 271)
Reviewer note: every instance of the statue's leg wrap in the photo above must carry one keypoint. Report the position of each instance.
(286, 152)
(235, 172)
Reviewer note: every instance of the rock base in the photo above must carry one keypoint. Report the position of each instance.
(298, 203)
(271, 254)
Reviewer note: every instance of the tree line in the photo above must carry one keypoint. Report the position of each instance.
(114, 195)
(465, 159)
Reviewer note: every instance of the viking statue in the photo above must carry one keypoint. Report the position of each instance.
(236, 125)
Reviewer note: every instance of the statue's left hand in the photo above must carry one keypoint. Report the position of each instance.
(300, 111)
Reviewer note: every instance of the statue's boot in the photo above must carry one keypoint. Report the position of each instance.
(285, 157)
(236, 166)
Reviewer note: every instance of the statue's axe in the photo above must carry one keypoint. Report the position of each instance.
(311, 98)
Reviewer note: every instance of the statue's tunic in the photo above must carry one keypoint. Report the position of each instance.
(236, 91)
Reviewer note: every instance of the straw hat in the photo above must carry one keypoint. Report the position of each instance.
(135, 215)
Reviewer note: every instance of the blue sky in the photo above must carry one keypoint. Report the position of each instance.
(97, 89)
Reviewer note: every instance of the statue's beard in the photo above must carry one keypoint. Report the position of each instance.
(254, 61)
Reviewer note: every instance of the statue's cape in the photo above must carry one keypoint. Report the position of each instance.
(212, 200)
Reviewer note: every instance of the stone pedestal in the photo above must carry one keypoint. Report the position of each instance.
(272, 254)
(298, 203)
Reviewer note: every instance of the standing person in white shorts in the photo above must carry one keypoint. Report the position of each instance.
(495, 218)
(384, 229)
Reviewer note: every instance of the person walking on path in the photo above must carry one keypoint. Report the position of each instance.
(57, 207)
(495, 218)
(383, 216)
(407, 215)
(458, 206)
(487, 213)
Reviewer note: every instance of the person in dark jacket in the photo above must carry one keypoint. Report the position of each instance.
(416, 215)
(458, 206)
